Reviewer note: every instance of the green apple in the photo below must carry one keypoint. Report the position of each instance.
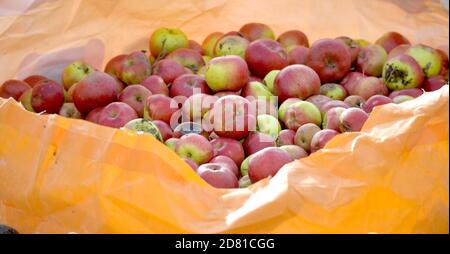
(296, 152)
(171, 143)
(75, 72)
(283, 107)
(333, 91)
(244, 166)
(254, 90)
(269, 125)
(165, 40)
(145, 126)
(300, 113)
(269, 79)
(402, 72)
(428, 58)
(244, 182)
(25, 99)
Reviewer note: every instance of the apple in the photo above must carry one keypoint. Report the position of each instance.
(319, 100)
(210, 42)
(297, 54)
(171, 143)
(69, 110)
(191, 164)
(68, 96)
(428, 58)
(228, 162)
(230, 44)
(34, 79)
(257, 141)
(267, 162)
(352, 45)
(369, 86)
(218, 175)
(269, 79)
(135, 68)
(321, 138)
(296, 152)
(391, 40)
(156, 85)
(296, 81)
(188, 128)
(265, 55)
(254, 78)
(160, 107)
(402, 98)
(195, 46)
(304, 135)
(96, 90)
(350, 80)
(94, 114)
(226, 73)
(300, 113)
(25, 99)
(399, 50)
(254, 90)
(284, 106)
(355, 101)
(444, 58)
(168, 70)
(330, 59)
(116, 115)
(188, 58)
(114, 66)
(244, 182)
(13, 88)
(187, 85)
(141, 125)
(371, 60)
(402, 72)
(135, 96)
(75, 72)
(331, 120)
(48, 96)
(196, 106)
(352, 119)
(164, 129)
(194, 147)
(293, 37)
(333, 91)
(256, 31)
(375, 100)
(268, 124)
(244, 166)
(225, 93)
(332, 104)
(362, 42)
(285, 137)
(434, 83)
(413, 92)
(262, 106)
(165, 40)
(230, 148)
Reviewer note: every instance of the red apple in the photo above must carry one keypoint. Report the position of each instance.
(257, 141)
(355, 101)
(168, 70)
(285, 137)
(399, 50)
(391, 40)
(293, 37)
(319, 100)
(69, 110)
(304, 135)
(332, 104)
(369, 86)
(48, 96)
(267, 162)
(13, 88)
(210, 42)
(321, 138)
(160, 107)
(434, 83)
(413, 92)
(256, 31)
(218, 175)
(264, 55)
(187, 85)
(196, 106)
(230, 148)
(156, 85)
(228, 162)
(116, 115)
(135, 96)
(352, 119)
(297, 54)
(296, 81)
(350, 80)
(114, 66)
(352, 45)
(226, 73)
(188, 58)
(375, 100)
(371, 60)
(94, 114)
(135, 68)
(195, 46)
(194, 147)
(191, 164)
(296, 152)
(34, 79)
(444, 57)
(300, 113)
(164, 129)
(332, 120)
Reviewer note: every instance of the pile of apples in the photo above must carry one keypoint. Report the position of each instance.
(242, 104)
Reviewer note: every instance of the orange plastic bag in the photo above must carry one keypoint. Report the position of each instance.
(59, 175)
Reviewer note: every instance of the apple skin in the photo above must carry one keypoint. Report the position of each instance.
(402, 72)
(390, 40)
(352, 119)
(75, 72)
(188, 58)
(427, 57)
(330, 59)
(191, 164)
(332, 104)
(263, 56)
(264, 107)
(94, 114)
(300, 113)
(13, 88)
(114, 66)
(230, 148)
(444, 57)
(244, 182)
(228, 162)
(297, 54)
(165, 40)
(355, 101)
(164, 129)
(68, 96)
(141, 125)
(187, 85)
(333, 91)
(269, 79)
(230, 44)
(296, 81)
(256, 31)
(209, 43)
(319, 100)
(156, 85)
(218, 175)
(293, 37)
(268, 124)
(47, 96)
(362, 42)
(332, 119)
(168, 70)
(196, 106)
(350, 80)
(296, 152)
(34, 79)
(135, 96)
(160, 107)
(253, 90)
(257, 141)
(371, 59)
(352, 45)
(413, 92)
(434, 83)
(226, 73)
(69, 110)
(401, 98)
(244, 166)
(96, 90)
(375, 100)
(267, 162)
(194, 147)
(25, 99)
(195, 46)
(285, 137)
(284, 106)
(188, 128)
(135, 68)
(116, 115)
(369, 86)
(399, 50)
(304, 135)
(321, 138)
(171, 143)
(225, 93)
